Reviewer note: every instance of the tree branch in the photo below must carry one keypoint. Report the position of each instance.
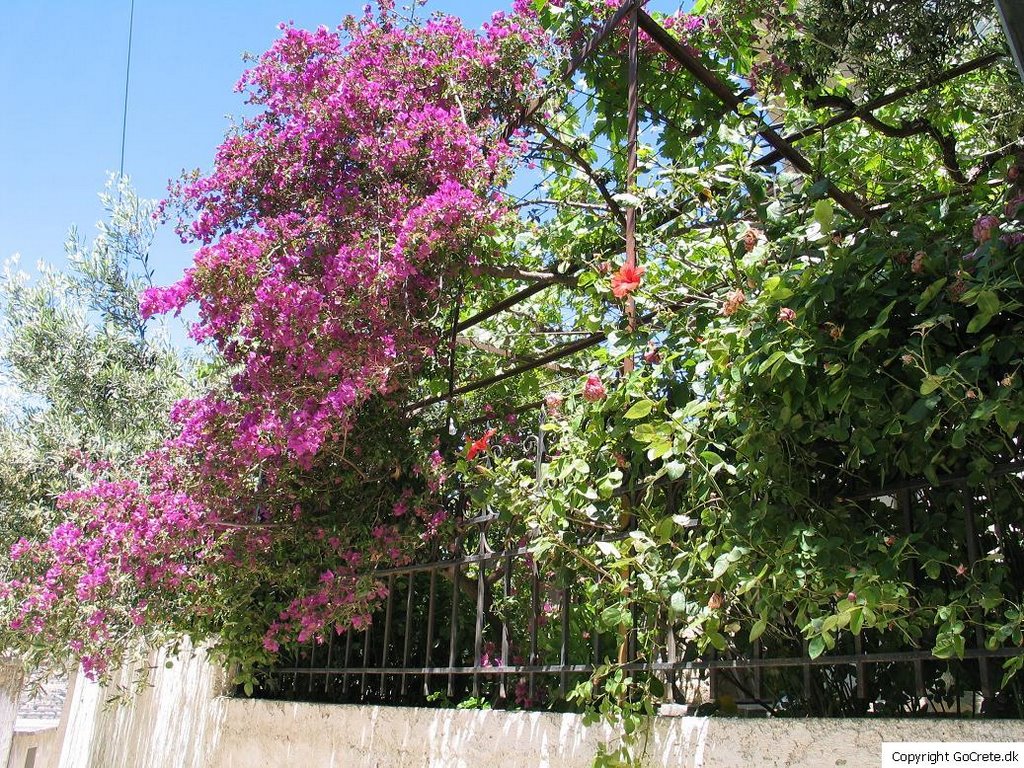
(516, 273)
(578, 159)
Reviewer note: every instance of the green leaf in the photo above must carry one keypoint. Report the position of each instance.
(678, 602)
(721, 565)
(675, 469)
(615, 616)
(773, 359)
(818, 189)
(717, 640)
(856, 620)
(949, 645)
(816, 647)
(987, 302)
(1008, 420)
(758, 629)
(868, 335)
(646, 433)
(608, 549)
(930, 384)
(920, 410)
(659, 448)
(930, 293)
(823, 213)
(978, 322)
(640, 409)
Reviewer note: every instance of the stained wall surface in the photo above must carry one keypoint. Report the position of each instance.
(183, 721)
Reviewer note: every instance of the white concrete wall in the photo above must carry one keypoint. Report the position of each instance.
(10, 688)
(45, 736)
(183, 723)
(169, 724)
(259, 734)
(45, 741)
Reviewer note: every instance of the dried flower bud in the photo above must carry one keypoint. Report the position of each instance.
(553, 403)
(594, 389)
(984, 228)
(751, 238)
(733, 301)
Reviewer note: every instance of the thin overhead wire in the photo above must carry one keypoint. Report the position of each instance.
(127, 80)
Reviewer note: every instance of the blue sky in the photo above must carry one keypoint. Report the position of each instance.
(62, 67)
(62, 71)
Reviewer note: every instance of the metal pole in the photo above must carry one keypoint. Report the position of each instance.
(1011, 15)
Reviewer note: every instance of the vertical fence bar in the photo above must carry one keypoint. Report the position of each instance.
(671, 656)
(758, 672)
(1000, 535)
(713, 676)
(388, 616)
(973, 556)
(534, 574)
(534, 617)
(407, 639)
(366, 662)
(563, 657)
(312, 665)
(808, 683)
(429, 647)
(506, 639)
(454, 637)
(481, 590)
(327, 668)
(908, 528)
(862, 681)
(348, 655)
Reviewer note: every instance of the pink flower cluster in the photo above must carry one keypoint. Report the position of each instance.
(326, 230)
(118, 543)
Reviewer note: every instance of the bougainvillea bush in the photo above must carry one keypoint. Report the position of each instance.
(334, 224)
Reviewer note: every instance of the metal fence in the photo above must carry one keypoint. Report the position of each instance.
(483, 625)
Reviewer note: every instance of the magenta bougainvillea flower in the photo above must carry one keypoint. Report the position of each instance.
(333, 215)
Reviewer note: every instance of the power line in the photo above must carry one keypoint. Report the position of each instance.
(127, 75)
